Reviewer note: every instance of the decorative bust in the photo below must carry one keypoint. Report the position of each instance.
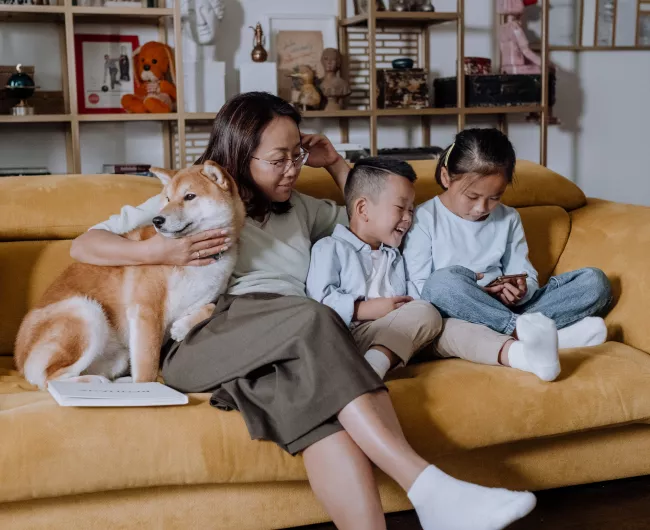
(333, 87)
(200, 19)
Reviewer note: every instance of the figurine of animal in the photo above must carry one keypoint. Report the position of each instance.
(307, 95)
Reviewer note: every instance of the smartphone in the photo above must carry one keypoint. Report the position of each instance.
(507, 278)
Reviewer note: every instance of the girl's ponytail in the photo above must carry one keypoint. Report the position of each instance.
(443, 161)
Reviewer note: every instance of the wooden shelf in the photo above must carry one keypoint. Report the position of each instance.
(511, 109)
(408, 18)
(133, 15)
(351, 113)
(30, 13)
(126, 117)
(21, 13)
(417, 112)
(415, 18)
(200, 116)
(37, 118)
(579, 48)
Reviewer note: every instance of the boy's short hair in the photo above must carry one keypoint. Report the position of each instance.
(368, 176)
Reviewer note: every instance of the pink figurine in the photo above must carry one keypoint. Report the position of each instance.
(516, 55)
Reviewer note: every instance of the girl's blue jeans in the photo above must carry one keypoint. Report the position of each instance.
(566, 298)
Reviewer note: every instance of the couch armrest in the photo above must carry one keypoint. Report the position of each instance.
(615, 238)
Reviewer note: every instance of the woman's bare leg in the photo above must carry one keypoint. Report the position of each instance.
(372, 423)
(440, 501)
(342, 479)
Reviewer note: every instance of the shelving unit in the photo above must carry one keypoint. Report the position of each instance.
(642, 7)
(425, 22)
(67, 15)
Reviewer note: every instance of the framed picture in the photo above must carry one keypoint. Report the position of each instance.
(296, 40)
(104, 71)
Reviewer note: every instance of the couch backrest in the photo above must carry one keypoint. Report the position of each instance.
(40, 215)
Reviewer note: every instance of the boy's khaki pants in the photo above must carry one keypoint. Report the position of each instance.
(417, 324)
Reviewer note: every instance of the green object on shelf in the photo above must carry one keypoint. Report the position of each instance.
(402, 63)
(20, 85)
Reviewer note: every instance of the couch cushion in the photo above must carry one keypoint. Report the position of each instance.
(27, 268)
(63, 206)
(534, 185)
(616, 238)
(547, 231)
(444, 407)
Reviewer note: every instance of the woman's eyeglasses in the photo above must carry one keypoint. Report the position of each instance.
(284, 165)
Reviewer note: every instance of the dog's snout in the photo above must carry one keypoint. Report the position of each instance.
(146, 67)
(158, 221)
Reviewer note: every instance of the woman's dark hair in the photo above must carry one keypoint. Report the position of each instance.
(236, 134)
(480, 152)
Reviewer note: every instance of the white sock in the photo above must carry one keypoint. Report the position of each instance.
(379, 362)
(590, 331)
(445, 503)
(536, 349)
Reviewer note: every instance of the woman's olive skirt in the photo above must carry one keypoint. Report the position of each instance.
(287, 363)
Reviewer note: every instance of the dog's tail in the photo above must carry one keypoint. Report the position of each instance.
(61, 340)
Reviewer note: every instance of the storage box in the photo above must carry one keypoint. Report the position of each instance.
(406, 88)
(493, 90)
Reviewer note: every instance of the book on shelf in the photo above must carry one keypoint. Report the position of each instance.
(23, 171)
(71, 394)
(127, 169)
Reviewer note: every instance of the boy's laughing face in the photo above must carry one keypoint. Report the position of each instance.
(390, 213)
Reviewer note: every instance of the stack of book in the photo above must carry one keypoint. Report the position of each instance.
(127, 169)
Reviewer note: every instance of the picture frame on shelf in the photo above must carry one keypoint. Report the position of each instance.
(326, 24)
(300, 43)
(104, 66)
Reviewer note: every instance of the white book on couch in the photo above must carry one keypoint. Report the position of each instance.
(69, 394)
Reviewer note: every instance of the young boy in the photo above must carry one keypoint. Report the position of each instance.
(359, 272)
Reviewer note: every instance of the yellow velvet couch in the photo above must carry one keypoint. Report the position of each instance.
(195, 467)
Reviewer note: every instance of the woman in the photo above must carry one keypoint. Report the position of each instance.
(287, 363)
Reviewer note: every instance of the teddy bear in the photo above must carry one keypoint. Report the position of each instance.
(152, 62)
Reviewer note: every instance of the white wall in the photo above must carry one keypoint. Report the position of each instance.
(602, 102)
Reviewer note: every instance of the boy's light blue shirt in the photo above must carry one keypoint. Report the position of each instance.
(340, 268)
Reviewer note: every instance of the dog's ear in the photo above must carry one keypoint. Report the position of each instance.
(217, 174)
(165, 175)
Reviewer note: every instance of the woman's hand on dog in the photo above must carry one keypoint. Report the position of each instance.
(195, 250)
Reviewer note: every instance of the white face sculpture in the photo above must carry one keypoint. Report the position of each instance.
(202, 16)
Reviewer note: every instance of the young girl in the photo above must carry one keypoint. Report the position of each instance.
(465, 238)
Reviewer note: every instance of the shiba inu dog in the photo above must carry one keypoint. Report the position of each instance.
(93, 322)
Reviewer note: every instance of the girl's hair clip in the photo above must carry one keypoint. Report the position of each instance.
(448, 153)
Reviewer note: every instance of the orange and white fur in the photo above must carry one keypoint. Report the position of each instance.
(93, 322)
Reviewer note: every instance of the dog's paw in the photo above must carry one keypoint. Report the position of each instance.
(181, 328)
(125, 379)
